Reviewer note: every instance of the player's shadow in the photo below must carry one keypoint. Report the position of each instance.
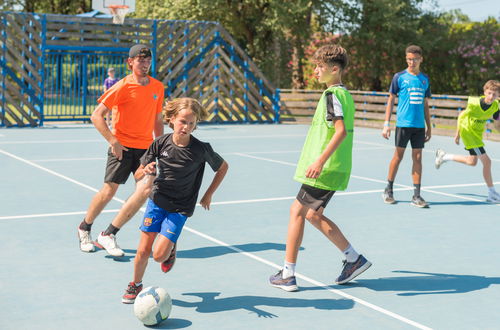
(130, 254)
(425, 283)
(211, 304)
(217, 251)
(171, 324)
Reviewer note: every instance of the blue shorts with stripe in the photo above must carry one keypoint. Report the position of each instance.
(157, 220)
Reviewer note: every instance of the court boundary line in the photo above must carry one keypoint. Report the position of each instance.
(426, 189)
(252, 256)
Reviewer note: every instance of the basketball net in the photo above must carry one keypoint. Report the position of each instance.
(119, 12)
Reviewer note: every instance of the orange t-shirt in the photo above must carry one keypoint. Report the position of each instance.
(136, 109)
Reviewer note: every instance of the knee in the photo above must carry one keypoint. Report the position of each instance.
(472, 161)
(143, 253)
(159, 257)
(107, 193)
(313, 216)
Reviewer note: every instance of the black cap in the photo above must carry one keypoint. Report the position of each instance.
(139, 50)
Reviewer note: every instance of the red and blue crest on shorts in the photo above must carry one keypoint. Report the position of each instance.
(148, 222)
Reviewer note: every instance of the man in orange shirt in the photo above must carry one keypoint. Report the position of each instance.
(137, 100)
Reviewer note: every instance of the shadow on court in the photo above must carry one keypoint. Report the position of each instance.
(217, 251)
(428, 283)
(210, 304)
(171, 324)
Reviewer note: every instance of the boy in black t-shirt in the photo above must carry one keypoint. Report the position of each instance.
(181, 161)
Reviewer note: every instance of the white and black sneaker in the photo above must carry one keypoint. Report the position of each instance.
(86, 244)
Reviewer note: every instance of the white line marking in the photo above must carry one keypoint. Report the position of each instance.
(338, 292)
(45, 215)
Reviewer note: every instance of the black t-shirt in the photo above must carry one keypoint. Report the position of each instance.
(180, 172)
(486, 106)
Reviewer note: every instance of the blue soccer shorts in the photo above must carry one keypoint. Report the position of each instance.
(157, 220)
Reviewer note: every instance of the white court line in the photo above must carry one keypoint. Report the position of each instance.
(314, 282)
(377, 180)
(46, 215)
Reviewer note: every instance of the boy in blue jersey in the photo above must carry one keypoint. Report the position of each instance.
(413, 125)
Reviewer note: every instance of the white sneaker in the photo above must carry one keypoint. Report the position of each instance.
(86, 244)
(493, 197)
(108, 242)
(439, 158)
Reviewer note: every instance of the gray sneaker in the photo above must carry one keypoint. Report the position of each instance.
(438, 161)
(352, 269)
(388, 197)
(418, 201)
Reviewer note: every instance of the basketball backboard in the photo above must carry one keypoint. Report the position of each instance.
(102, 5)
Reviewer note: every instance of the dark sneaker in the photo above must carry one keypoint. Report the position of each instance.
(388, 196)
(287, 284)
(418, 201)
(168, 264)
(131, 293)
(352, 269)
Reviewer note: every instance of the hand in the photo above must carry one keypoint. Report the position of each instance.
(117, 149)
(150, 169)
(457, 139)
(386, 132)
(205, 202)
(427, 134)
(314, 170)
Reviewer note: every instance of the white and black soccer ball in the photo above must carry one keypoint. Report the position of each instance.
(152, 305)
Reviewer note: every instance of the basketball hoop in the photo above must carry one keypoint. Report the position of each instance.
(119, 12)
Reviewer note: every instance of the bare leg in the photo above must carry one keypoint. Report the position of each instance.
(100, 200)
(295, 231)
(467, 160)
(162, 249)
(416, 170)
(486, 169)
(143, 253)
(328, 228)
(394, 164)
(133, 204)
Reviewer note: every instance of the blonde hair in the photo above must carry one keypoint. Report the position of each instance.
(173, 107)
(332, 55)
(494, 85)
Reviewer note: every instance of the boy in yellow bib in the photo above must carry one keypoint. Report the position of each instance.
(471, 126)
(324, 167)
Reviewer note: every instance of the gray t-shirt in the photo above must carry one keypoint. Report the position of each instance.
(180, 172)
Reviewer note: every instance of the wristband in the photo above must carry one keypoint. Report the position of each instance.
(387, 124)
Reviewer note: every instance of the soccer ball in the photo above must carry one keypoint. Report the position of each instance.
(152, 305)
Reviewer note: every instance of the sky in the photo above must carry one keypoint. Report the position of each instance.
(477, 10)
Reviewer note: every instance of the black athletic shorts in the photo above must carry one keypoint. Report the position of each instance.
(415, 135)
(476, 151)
(314, 198)
(118, 171)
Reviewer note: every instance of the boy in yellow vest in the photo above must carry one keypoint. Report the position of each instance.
(470, 127)
(324, 167)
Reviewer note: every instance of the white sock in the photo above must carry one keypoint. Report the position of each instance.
(350, 254)
(138, 283)
(288, 270)
(491, 190)
(448, 157)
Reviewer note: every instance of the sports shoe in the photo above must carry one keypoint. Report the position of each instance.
(168, 264)
(108, 242)
(388, 196)
(86, 244)
(418, 201)
(287, 284)
(131, 293)
(439, 158)
(352, 269)
(493, 197)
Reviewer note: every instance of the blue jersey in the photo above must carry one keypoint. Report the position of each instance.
(411, 91)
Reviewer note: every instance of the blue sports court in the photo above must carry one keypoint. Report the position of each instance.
(432, 268)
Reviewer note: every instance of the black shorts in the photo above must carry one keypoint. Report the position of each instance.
(476, 151)
(118, 171)
(415, 135)
(314, 198)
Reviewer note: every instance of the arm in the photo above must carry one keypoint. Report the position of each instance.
(457, 132)
(427, 119)
(219, 176)
(314, 170)
(158, 129)
(386, 132)
(100, 124)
